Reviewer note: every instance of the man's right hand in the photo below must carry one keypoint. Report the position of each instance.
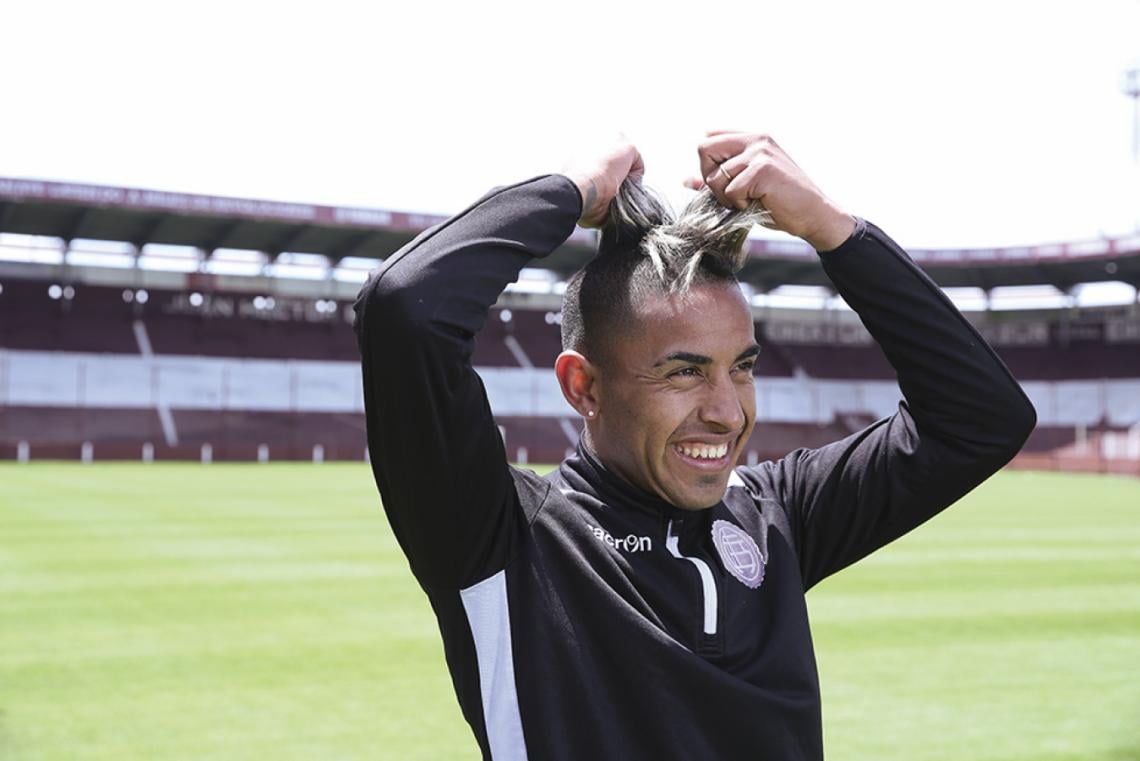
(598, 176)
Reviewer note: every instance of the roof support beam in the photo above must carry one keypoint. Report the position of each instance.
(286, 241)
(352, 246)
(77, 226)
(219, 239)
(147, 232)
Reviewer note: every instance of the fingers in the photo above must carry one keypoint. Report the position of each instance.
(637, 171)
(718, 148)
(725, 180)
(718, 179)
(600, 173)
(637, 164)
(743, 169)
(721, 147)
(747, 186)
(734, 165)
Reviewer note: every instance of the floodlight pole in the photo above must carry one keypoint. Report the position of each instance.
(1130, 86)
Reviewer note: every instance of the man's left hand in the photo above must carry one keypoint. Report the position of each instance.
(741, 168)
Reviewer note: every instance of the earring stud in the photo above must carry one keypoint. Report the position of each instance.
(590, 413)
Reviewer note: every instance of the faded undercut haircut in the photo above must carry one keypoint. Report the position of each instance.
(644, 251)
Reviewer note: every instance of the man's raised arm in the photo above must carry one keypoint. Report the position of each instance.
(964, 415)
(963, 418)
(436, 452)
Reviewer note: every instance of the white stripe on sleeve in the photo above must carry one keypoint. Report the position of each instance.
(487, 613)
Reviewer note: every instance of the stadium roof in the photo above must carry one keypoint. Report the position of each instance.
(71, 211)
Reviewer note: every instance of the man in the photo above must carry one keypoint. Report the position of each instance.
(646, 600)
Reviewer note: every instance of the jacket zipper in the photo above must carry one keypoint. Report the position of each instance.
(708, 586)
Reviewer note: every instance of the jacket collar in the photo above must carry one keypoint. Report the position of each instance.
(584, 472)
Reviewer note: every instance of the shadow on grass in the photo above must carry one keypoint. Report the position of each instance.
(7, 745)
(1130, 752)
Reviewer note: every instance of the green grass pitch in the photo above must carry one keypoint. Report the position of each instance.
(175, 611)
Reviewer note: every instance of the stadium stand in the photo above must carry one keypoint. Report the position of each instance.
(100, 362)
(838, 362)
(73, 321)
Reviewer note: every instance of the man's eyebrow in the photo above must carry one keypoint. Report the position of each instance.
(684, 356)
(700, 359)
(751, 351)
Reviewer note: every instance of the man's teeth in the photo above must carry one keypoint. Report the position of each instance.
(705, 452)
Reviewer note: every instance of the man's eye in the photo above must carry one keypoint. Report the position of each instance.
(685, 372)
(747, 365)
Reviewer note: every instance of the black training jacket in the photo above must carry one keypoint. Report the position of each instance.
(583, 618)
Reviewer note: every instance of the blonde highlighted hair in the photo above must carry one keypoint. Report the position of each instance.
(705, 234)
(645, 250)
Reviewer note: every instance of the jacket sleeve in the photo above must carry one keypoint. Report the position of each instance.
(436, 452)
(962, 418)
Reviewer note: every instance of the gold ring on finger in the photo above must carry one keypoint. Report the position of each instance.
(722, 170)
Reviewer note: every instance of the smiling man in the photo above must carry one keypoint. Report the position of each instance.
(646, 599)
(657, 331)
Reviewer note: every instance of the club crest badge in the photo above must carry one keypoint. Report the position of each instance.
(739, 553)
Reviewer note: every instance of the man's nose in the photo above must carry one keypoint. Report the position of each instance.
(721, 406)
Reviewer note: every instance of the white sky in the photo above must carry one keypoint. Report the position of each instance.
(956, 124)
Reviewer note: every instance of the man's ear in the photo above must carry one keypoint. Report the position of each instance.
(578, 378)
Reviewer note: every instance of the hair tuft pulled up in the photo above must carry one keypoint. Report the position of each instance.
(645, 251)
(705, 235)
